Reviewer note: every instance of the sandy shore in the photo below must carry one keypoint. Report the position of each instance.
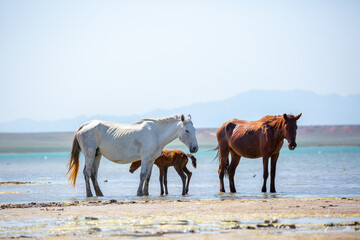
(326, 218)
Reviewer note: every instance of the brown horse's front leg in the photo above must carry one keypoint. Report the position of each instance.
(274, 159)
(266, 172)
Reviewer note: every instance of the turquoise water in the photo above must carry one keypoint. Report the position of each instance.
(305, 172)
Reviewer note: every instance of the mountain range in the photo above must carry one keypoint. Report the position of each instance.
(316, 110)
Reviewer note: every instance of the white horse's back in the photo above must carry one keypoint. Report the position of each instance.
(116, 142)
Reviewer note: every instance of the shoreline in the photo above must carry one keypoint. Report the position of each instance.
(308, 136)
(205, 147)
(293, 218)
(95, 201)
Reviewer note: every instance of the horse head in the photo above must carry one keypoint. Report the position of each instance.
(290, 127)
(135, 165)
(187, 135)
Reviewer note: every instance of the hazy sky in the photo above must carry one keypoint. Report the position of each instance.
(61, 59)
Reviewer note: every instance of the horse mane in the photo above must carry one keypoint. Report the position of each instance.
(162, 120)
(276, 122)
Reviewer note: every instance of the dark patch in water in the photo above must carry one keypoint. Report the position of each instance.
(22, 183)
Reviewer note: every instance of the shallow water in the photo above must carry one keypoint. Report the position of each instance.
(305, 172)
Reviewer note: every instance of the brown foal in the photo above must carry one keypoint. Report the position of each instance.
(168, 158)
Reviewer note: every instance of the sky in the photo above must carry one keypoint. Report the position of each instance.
(61, 59)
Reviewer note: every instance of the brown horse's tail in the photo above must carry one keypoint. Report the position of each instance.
(193, 159)
(217, 153)
(217, 156)
(74, 160)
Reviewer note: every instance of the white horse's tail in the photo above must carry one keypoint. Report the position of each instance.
(74, 160)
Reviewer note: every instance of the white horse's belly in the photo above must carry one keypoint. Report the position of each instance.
(121, 155)
(122, 161)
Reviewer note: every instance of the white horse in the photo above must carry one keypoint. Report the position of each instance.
(126, 143)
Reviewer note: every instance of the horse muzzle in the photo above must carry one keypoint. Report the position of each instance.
(193, 149)
(292, 146)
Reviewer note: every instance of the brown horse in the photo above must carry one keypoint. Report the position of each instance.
(168, 158)
(263, 138)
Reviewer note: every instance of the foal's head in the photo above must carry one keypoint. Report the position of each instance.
(187, 135)
(290, 127)
(134, 166)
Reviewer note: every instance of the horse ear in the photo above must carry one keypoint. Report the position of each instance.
(285, 116)
(189, 116)
(182, 117)
(298, 116)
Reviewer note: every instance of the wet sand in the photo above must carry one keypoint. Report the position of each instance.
(325, 218)
(22, 183)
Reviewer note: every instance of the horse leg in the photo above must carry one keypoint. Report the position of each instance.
(144, 166)
(274, 159)
(183, 177)
(147, 179)
(266, 172)
(235, 159)
(165, 180)
(161, 179)
(94, 174)
(189, 174)
(87, 172)
(224, 158)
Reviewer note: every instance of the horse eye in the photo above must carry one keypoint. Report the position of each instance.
(187, 131)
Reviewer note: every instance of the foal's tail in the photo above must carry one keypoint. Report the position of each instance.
(193, 159)
(74, 160)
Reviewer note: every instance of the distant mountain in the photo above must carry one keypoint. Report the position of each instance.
(317, 110)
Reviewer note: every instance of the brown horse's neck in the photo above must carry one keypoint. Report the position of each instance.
(279, 128)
